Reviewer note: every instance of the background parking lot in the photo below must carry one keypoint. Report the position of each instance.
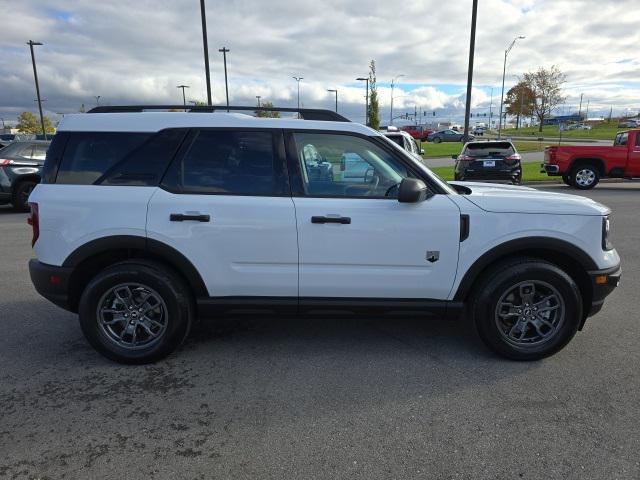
(334, 398)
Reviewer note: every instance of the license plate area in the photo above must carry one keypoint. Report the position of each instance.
(489, 163)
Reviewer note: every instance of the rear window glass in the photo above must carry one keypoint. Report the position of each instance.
(88, 155)
(396, 139)
(502, 149)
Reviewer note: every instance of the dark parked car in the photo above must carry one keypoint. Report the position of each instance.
(6, 139)
(628, 123)
(20, 168)
(488, 160)
(447, 135)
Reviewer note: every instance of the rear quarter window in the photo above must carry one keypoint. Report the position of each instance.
(89, 155)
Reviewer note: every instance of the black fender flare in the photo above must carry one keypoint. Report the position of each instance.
(535, 246)
(153, 248)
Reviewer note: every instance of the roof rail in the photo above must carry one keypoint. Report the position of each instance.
(305, 113)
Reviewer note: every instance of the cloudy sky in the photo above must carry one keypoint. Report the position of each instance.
(139, 51)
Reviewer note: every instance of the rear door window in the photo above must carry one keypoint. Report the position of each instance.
(229, 162)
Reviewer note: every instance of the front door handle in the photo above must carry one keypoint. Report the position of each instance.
(340, 220)
(182, 217)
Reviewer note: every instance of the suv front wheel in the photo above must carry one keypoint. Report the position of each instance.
(136, 312)
(527, 309)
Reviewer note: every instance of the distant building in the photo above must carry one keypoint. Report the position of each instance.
(562, 119)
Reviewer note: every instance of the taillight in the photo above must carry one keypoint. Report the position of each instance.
(511, 159)
(4, 162)
(34, 221)
(465, 157)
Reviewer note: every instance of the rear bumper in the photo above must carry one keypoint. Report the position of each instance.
(603, 283)
(51, 282)
(550, 169)
(512, 174)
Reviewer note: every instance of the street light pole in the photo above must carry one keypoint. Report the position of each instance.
(205, 44)
(504, 70)
(224, 51)
(366, 102)
(472, 46)
(392, 85)
(580, 108)
(490, 108)
(336, 92)
(297, 79)
(31, 44)
(258, 97)
(184, 99)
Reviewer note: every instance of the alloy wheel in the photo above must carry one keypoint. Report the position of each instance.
(585, 177)
(132, 316)
(530, 313)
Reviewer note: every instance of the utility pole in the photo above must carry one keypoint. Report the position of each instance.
(297, 79)
(224, 51)
(521, 106)
(580, 108)
(336, 92)
(472, 46)
(205, 44)
(504, 70)
(184, 99)
(586, 115)
(366, 101)
(490, 107)
(258, 97)
(392, 85)
(31, 44)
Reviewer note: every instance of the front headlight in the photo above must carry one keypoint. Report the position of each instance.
(606, 228)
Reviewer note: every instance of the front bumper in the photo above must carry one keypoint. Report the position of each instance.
(603, 282)
(51, 282)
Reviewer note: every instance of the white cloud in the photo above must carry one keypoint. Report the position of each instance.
(137, 52)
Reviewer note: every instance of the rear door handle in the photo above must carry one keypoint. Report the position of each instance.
(340, 220)
(182, 217)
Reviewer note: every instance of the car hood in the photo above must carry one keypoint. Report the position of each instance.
(515, 199)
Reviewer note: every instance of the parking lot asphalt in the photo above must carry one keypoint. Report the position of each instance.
(332, 398)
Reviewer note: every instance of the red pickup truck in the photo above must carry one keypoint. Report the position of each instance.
(418, 132)
(582, 167)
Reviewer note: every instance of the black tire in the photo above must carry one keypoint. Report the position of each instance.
(566, 179)
(20, 196)
(436, 140)
(176, 304)
(584, 176)
(519, 274)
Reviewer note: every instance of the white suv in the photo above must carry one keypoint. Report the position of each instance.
(146, 221)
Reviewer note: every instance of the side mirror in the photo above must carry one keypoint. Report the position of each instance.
(412, 190)
(422, 151)
(454, 157)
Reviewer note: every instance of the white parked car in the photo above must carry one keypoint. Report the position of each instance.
(404, 140)
(147, 221)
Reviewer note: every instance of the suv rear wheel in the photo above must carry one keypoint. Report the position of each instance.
(136, 312)
(527, 309)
